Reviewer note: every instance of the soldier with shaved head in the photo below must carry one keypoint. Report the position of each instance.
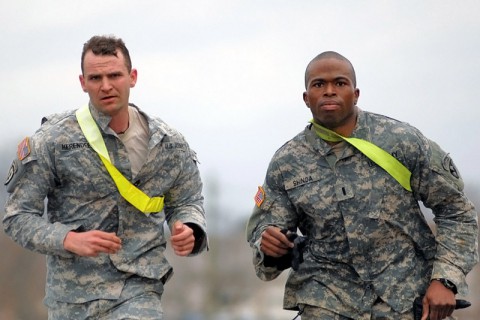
(340, 206)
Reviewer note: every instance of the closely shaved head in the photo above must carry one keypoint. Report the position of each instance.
(331, 55)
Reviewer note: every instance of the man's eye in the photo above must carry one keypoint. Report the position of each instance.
(341, 83)
(94, 78)
(318, 84)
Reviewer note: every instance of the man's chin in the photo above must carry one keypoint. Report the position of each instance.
(109, 109)
(328, 122)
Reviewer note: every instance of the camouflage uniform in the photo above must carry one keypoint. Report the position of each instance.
(367, 237)
(82, 196)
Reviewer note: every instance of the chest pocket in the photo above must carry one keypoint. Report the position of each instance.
(81, 172)
(310, 191)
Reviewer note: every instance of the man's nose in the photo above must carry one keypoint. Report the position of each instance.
(330, 89)
(106, 86)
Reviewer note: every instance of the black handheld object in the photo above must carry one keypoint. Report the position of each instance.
(418, 306)
(293, 258)
(296, 253)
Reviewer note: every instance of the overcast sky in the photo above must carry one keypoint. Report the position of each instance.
(229, 74)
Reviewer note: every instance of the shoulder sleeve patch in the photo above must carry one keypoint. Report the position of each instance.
(11, 172)
(194, 157)
(23, 149)
(448, 165)
(259, 197)
(443, 164)
(14, 174)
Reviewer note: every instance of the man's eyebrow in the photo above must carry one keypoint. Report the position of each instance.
(115, 73)
(106, 74)
(334, 79)
(343, 78)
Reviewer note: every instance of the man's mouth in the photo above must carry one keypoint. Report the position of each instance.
(329, 105)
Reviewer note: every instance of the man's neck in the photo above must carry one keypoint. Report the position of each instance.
(346, 129)
(120, 121)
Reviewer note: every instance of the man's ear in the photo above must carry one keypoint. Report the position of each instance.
(357, 95)
(133, 77)
(305, 99)
(82, 82)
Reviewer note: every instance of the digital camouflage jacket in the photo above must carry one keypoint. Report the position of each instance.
(58, 164)
(367, 236)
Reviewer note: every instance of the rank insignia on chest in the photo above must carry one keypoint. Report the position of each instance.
(259, 197)
(23, 149)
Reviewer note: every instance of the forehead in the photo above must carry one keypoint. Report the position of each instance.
(329, 68)
(93, 63)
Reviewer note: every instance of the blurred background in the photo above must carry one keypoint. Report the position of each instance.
(229, 76)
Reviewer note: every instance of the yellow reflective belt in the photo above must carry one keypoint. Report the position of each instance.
(128, 191)
(384, 159)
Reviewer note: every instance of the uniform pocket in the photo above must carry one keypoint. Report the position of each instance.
(80, 171)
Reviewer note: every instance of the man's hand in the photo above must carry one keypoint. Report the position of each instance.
(274, 243)
(91, 243)
(182, 239)
(438, 303)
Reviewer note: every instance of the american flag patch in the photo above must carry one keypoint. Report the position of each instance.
(259, 197)
(23, 149)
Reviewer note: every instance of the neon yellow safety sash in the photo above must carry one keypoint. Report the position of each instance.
(384, 159)
(132, 194)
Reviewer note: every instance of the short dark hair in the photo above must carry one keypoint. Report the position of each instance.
(107, 46)
(329, 55)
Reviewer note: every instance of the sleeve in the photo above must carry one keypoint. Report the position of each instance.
(184, 201)
(454, 216)
(30, 181)
(272, 208)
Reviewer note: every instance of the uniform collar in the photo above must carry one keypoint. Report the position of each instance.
(100, 118)
(361, 130)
